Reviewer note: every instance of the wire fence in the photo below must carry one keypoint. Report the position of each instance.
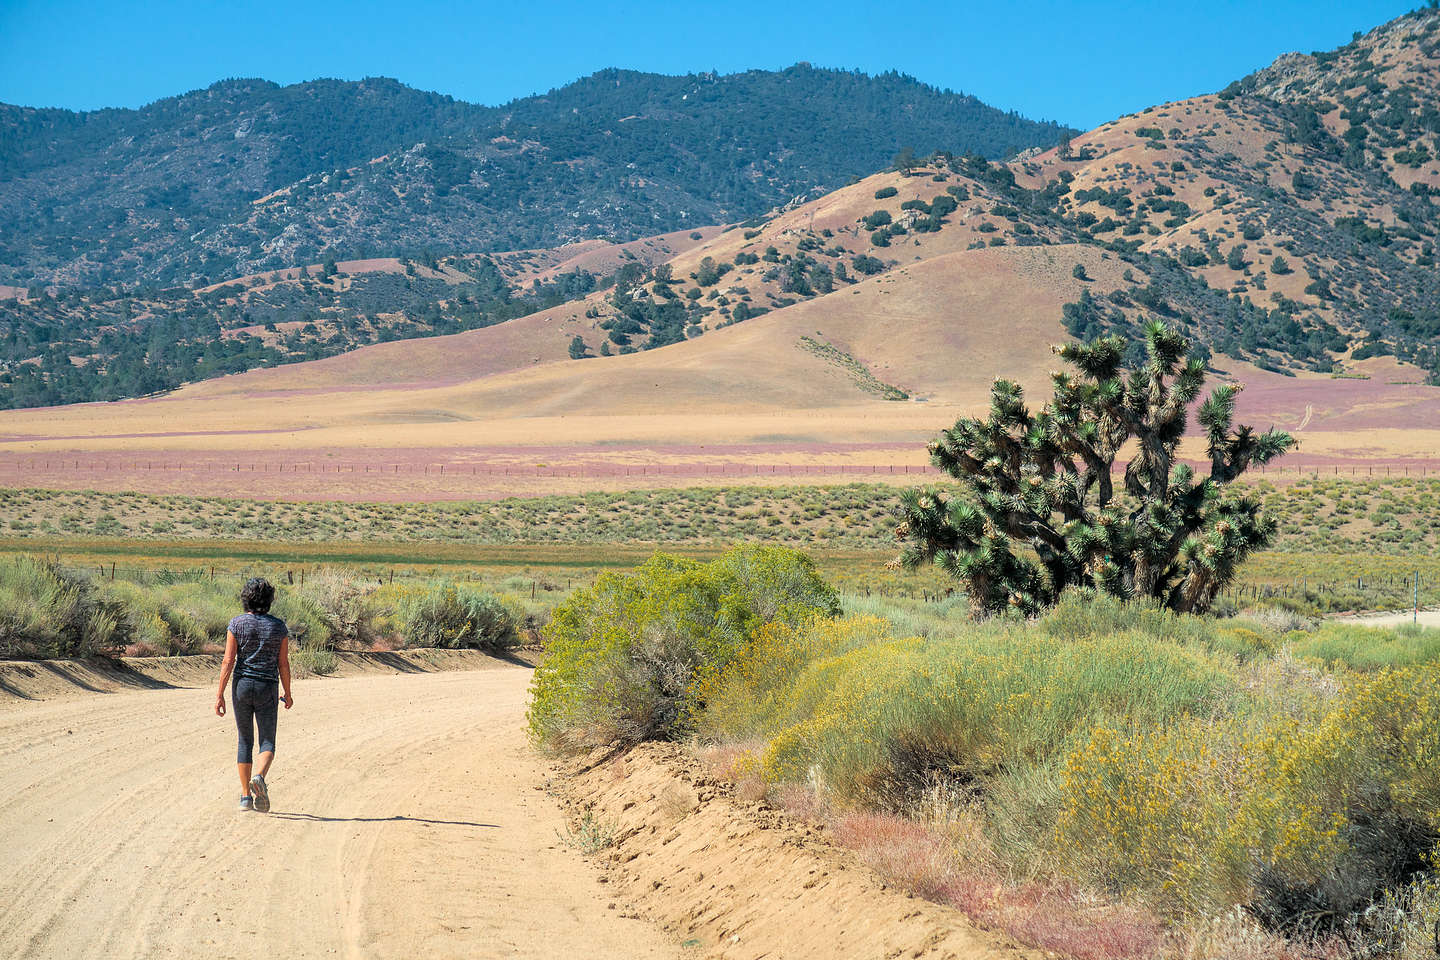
(294, 574)
(580, 470)
(598, 470)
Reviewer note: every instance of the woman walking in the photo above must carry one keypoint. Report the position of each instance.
(257, 651)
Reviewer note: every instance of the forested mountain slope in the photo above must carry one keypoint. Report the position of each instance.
(247, 176)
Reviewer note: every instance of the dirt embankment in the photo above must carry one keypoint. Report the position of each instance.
(68, 679)
(734, 880)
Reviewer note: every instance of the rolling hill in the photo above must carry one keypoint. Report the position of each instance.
(871, 316)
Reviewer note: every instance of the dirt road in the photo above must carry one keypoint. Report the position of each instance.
(1426, 618)
(408, 820)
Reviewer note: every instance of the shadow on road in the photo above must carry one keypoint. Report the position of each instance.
(397, 663)
(396, 819)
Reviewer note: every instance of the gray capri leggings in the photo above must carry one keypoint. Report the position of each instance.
(256, 704)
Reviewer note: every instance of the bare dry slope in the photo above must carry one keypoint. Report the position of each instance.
(807, 377)
(940, 329)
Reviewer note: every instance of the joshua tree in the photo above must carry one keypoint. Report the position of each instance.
(1038, 512)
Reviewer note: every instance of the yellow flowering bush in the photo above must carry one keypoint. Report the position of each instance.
(1325, 808)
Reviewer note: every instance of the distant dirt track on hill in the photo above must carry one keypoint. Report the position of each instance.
(408, 821)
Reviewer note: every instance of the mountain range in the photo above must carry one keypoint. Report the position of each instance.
(247, 176)
(1286, 223)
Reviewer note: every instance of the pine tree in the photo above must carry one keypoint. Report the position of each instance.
(1038, 511)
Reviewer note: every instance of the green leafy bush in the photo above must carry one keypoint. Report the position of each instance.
(628, 656)
(885, 192)
(453, 615)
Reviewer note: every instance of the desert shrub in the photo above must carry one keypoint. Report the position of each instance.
(318, 661)
(1278, 620)
(1189, 763)
(47, 611)
(1407, 922)
(1086, 614)
(198, 611)
(166, 619)
(305, 618)
(912, 618)
(629, 656)
(452, 615)
(1306, 816)
(881, 719)
(350, 610)
(167, 616)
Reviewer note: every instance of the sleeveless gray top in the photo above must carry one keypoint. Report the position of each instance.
(257, 638)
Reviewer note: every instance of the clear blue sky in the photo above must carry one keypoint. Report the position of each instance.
(1080, 63)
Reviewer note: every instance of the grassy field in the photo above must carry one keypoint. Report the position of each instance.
(535, 569)
(1395, 516)
(1344, 544)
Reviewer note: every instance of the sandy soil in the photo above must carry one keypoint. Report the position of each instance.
(409, 820)
(1426, 618)
(773, 888)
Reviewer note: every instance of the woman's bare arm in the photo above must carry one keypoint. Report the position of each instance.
(285, 671)
(227, 666)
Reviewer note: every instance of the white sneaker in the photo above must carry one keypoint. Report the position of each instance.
(261, 794)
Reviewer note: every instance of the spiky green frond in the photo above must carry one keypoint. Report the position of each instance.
(1038, 483)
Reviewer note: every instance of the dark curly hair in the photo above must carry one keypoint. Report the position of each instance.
(257, 595)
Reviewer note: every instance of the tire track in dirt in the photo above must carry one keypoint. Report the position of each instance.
(409, 820)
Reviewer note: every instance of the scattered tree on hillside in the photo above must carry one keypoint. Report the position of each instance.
(578, 350)
(1038, 511)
